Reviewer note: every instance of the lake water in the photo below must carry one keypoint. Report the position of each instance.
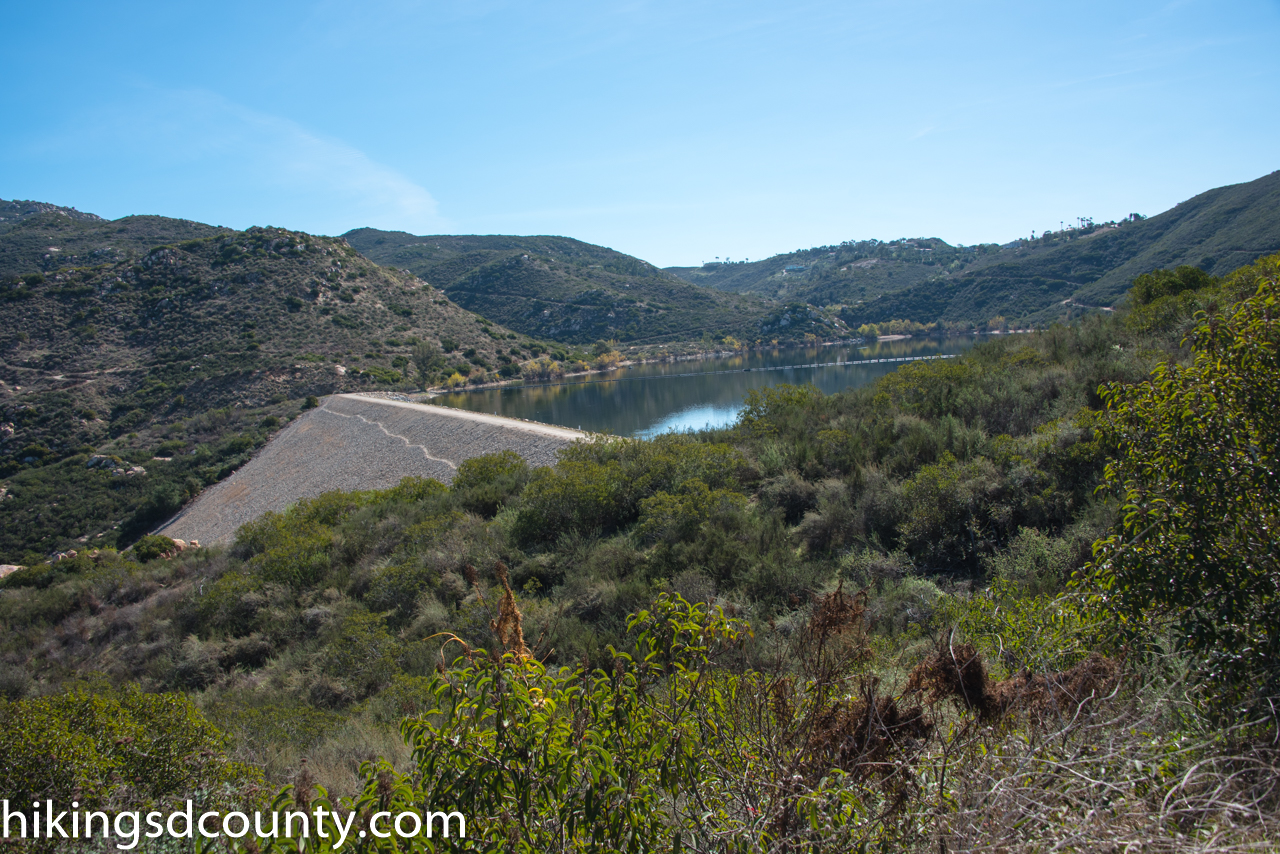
(648, 399)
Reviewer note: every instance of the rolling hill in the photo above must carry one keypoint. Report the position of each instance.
(566, 290)
(1055, 276)
(189, 343)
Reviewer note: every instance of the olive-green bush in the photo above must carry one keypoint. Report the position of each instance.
(107, 747)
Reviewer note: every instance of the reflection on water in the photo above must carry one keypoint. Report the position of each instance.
(693, 418)
(649, 399)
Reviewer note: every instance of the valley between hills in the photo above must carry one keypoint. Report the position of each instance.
(1020, 599)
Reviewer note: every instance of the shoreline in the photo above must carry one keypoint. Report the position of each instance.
(516, 382)
(436, 391)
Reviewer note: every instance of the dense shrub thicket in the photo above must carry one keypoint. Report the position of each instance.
(126, 749)
(871, 619)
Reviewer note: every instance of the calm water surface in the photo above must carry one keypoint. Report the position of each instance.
(648, 399)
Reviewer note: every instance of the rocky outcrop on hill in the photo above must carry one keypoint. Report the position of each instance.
(17, 209)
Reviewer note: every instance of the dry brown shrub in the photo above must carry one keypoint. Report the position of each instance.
(1048, 695)
(830, 718)
(862, 736)
(834, 641)
(859, 733)
(1117, 780)
(957, 671)
(507, 627)
(953, 671)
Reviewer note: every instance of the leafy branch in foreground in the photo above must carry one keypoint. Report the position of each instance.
(1199, 474)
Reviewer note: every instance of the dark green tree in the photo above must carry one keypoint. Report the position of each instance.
(429, 360)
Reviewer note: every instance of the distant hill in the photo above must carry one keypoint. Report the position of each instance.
(845, 274)
(196, 349)
(1218, 231)
(566, 290)
(1055, 276)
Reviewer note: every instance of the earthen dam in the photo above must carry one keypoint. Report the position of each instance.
(356, 442)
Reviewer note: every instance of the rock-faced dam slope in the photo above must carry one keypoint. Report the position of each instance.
(355, 442)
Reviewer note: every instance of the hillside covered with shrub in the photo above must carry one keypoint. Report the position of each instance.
(193, 351)
(1057, 276)
(565, 290)
(1017, 600)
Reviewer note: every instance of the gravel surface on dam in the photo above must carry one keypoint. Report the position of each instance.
(356, 442)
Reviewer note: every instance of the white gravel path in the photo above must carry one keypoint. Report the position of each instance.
(355, 442)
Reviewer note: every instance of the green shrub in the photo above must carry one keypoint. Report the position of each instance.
(573, 496)
(292, 722)
(484, 484)
(774, 409)
(1149, 287)
(228, 605)
(430, 530)
(834, 523)
(96, 747)
(953, 512)
(585, 760)
(151, 547)
(383, 376)
(1034, 564)
(598, 486)
(1039, 634)
(791, 494)
(1197, 474)
(416, 489)
(163, 501)
(361, 652)
(300, 559)
(672, 518)
(396, 590)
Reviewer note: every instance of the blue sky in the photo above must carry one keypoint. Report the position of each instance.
(674, 131)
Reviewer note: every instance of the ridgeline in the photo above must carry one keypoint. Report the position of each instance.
(566, 290)
(1057, 276)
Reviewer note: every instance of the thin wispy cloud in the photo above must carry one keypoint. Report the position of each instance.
(167, 139)
(302, 159)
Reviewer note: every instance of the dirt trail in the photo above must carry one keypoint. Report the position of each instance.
(356, 442)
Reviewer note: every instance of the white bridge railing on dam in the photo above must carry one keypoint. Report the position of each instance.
(849, 363)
